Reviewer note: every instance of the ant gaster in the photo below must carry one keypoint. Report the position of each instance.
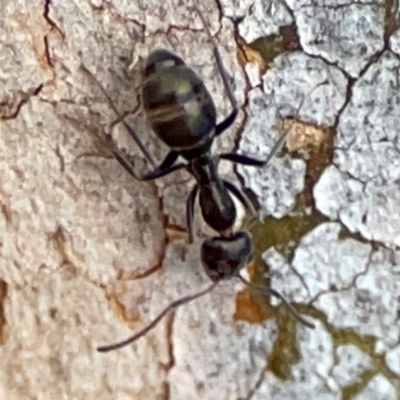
(182, 113)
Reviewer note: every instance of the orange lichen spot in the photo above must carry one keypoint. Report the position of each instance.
(303, 135)
(252, 268)
(247, 309)
(37, 27)
(130, 316)
(245, 54)
(174, 233)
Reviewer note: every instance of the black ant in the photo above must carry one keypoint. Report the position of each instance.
(182, 113)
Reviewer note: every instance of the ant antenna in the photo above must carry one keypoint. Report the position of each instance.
(272, 292)
(172, 306)
(281, 141)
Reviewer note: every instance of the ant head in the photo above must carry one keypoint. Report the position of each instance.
(160, 59)
(224, 257)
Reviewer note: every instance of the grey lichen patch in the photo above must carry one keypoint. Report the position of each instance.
(347, 259)
(355, 289)
(395, 42)
(305, 379)
(351, 363)
(392, 359)
(346, 35)
(364, 297)
(257, 19)
(342, 33)
(352, 285)
(266, 182)
(24, 66)
(293, 76)
(362, 189)
(305, 87)
(378, 388)
(370, 305)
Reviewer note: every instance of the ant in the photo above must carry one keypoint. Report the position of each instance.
(182, 113)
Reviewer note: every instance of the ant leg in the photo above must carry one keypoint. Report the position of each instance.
(190, 212)
(245, 160)
(163, 169)
(241, 159)
(130, 130)
(227, 122)
(139, 143)
(241, 196)
(275, 293)
(167, 163)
